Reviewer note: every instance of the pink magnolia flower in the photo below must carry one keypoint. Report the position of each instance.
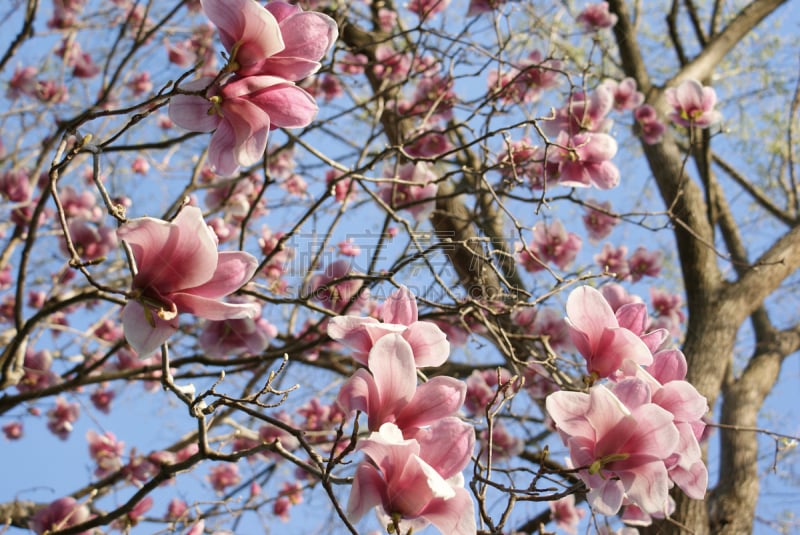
(37, 372)
(279, 39)
(241, 113)
(596, 333)
(224, 475)
(476, 7)
(390, 392)
(693, 104)
(612, 260)
(101, 399)
(583, 113)
(91, 241)
(643, 262)
(341, 295)
(414, 189)
(668, 311)
(425, 8)
(669, 390)
(399, 313)
(551, 243)
(599, 224)
(566, 515)
(402, 484)
(236, 336)
(61, 514)
(626, 97)
(650, 128)
(619, 445)
(61, 417)
(596, 17)
(12, 430)
(429, 145)
(585, 160)
(106, 451)
(178, 269)
(23, 82)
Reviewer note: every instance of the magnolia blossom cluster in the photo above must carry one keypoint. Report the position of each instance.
(551, 244)
(418, 446)
(637, 430)
(269, 49)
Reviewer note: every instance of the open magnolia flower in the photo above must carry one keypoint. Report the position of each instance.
(278, 39)
(401, 481)
(241, 113)
(178, 269)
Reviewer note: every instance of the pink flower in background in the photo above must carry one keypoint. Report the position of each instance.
(60, 514)
(61, 417)
(596, 17)
(237, 336)
(626, 97)
(598, 221)
(106, 451)
(693, 104)
(23, 82)
(619, 442)
(224, 475)
(667, 308)
(551, 243)
(596, 333)
(429, 145)
(476, 7)
(241, 113)
(337, 296)
(613, 260)
(178, 269)
(91, 241)
(583, 113)
(650, 128)
(643, 262)
(12, 430)
(566, 515)
(426, 8)
(400, 482)
(413, 189)
(399, 313)
(390, 392)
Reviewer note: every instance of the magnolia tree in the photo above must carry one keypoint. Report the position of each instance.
(486, 267)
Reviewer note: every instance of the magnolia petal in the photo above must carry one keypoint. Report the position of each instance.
(693, 481)
(244, 25)
(446, 445)
(234, 269)
(438, 398)
(358, 393)
(400, 307)
(368, 491)
(192, 112)
(648, 487)
(607, 498)
(454, 516)
(392, 365)
(428, 342)
(287, 105)
(142, 335)
(212, 309)
(589, 312)
(568, 411)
